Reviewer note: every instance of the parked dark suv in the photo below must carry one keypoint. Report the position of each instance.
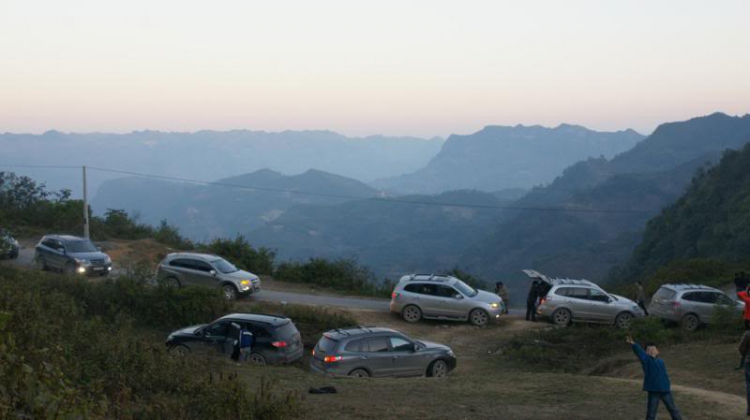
(365, 351)
(276, 339)
(71, 255)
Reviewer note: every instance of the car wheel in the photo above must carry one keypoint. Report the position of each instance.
(172, 282)
(438, 369)
(623, 320)
(40, 263)
(257, 359)
(229, 292)
(479, 317)
(179, 350)
(70, 269)
(561, 317)
(411, 314)
(690, 322)
(359, 373)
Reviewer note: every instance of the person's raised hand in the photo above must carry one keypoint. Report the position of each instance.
(629, 340)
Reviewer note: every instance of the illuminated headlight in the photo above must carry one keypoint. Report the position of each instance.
(245, 284)
(494, 305)
(81, 270)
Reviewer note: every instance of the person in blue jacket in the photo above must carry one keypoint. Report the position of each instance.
(655, 380)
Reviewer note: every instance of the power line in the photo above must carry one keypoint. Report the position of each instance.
(343, 196)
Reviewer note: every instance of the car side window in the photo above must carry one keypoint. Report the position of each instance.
(399, 344)
(598, 296)
(563, 291)
(710, 297)
(578, 293)
(446, 291)
(258, 331)
(376, 345)
(353, 346)
(218, 329)
(413, 288)
(692, 297)
(427, 289)
(723, 299)
(180, 262)
(201, 266)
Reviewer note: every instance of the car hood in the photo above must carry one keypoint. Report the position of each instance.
(621, 300)
(96, 255)
(429, 345)
(240, 275)
(188, 330)
(487, 297)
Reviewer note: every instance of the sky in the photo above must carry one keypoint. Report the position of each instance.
(407, 67)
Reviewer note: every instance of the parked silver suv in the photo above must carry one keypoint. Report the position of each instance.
(418, 296)
(571, 300)
(371, 351)
(181, 269)
(690, 305)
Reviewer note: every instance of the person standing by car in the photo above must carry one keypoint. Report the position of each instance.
(502, 291)
(745, 298)
(655, 380)
(531, 301)
(641, 297)
(242, 341)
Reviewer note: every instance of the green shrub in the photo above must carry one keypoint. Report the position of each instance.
(75, 349)
(342, 275)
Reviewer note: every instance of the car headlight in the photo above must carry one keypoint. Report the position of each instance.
(245, 283)
(494, 305)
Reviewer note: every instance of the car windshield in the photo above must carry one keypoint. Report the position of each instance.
(224, 266)
(80, 246)
(465, 289)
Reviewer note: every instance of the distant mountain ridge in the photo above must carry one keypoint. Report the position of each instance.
(501, 157)
(223, 210)
(210, 155)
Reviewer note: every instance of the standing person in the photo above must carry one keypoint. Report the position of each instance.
(531, 301)
(744, 346)
(655, 380)
(641, 298)
(745, 298)
(502, 291)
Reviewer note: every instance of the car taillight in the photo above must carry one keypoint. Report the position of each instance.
(675, 304)
(394, 295)
(279, 344)
(313, 352)
(331, 359)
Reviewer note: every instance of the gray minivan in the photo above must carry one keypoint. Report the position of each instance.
(690, 305)
(180, 269)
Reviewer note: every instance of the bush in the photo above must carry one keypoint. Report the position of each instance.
(73, 349)
(342, 275)
(241, 253)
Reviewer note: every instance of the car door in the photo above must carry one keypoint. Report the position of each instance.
(429, 300)
(578, 298)
(451, 303)
(694, 302)
(192, 271)
(602, 307)
(406, 360)
(57, 254)
(202, 273)
(215, 337)
(378, 356)
(712, 301)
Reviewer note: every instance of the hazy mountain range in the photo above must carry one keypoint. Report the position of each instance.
(211, 155)
(500, 157)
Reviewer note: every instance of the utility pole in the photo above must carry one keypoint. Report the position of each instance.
(85, 207)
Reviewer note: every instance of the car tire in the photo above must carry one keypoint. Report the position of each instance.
(359, 373)
(229, 292)
(690, 322)
(172, 282)
(257, 359)
(438, 369)
(411, 314)
(41, 263)
(479, 317)
(624, 320)
(180, 350)
(562, 317)
(69, 269)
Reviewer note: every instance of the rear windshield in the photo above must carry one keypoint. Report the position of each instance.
(664, 294)
(327, 345)
(287, 330)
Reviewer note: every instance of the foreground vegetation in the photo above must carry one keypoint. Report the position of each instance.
(74, 349)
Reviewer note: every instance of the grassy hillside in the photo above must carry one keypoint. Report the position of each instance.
(710, 222)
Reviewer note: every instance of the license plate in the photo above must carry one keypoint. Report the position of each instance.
(98, 268)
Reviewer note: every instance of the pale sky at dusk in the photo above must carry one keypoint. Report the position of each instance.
(420, 68)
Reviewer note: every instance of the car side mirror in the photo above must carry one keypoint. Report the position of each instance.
(213, 273)
(458, 296)
(416, 348)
